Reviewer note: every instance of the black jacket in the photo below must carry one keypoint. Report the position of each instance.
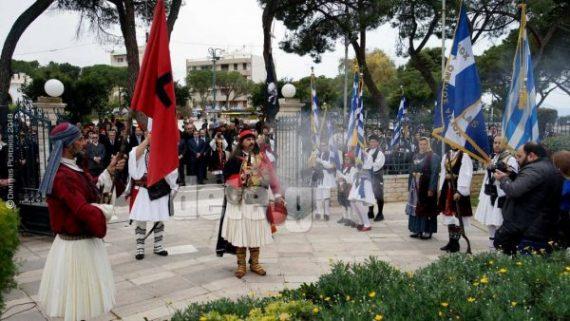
(532, 207)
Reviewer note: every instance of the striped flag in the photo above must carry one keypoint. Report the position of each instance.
(360, 139)
(314, 112)
(465, 127)
(398, 126)
(332, 144)
(520, 123)
(351, 138)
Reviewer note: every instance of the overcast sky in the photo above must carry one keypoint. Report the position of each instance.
(227, 24)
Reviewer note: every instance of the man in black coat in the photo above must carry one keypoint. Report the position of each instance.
(531, 210)
(197, 148)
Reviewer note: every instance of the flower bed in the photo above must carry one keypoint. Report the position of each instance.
(456, 287)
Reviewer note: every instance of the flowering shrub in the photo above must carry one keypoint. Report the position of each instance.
(456, 287)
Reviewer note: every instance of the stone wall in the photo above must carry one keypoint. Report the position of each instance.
(396, 187)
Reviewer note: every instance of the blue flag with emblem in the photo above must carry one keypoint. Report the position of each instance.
(520, 121)
(399, 125)
(462, 125)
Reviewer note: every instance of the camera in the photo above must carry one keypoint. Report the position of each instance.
(501, 166)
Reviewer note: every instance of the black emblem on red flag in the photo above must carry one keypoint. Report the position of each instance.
(162, 81)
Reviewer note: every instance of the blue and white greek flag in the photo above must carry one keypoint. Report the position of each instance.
(332, 144)
(360, 139)
(520, 123)
(465, 129)
(351, 138)
(314, 113)
(399, 124)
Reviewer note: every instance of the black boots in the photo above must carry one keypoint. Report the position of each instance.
(452, 247)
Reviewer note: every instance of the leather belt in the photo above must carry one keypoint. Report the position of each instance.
(74, 237)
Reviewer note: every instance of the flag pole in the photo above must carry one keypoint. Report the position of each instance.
(442, 72)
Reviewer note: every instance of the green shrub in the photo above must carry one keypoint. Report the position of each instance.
(9, 242)
(456, 287)
(557, 143)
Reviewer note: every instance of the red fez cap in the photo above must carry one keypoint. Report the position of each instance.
(246, 133)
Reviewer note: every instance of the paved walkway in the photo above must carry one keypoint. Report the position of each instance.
(155, 287)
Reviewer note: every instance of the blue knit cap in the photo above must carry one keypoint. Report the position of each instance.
(61, 136)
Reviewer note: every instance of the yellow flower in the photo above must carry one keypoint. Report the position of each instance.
(410, 274)
(568, 269)
(440, 313)
(484, 280)
(284, 317)
(475, 283)
(503, 270)
(444, 304)
(470, 299)
(491, 262)
(519, 263)
(203, 318)
(513, 303)
(327, 299)
(315, 310)
(378, 317)
(372, 294)
(348, 298)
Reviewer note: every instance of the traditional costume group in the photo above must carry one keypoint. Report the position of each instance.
(422, 207)
(77, 281)
(251, 183)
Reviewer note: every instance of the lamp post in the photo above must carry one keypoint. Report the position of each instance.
(215, 55)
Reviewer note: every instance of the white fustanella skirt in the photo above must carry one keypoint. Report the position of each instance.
(246, 225)
(77, 281)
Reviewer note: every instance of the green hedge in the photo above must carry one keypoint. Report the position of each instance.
(9, 242)
(456, 287)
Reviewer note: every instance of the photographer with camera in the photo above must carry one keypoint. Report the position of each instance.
(492, 197)
(531, 210)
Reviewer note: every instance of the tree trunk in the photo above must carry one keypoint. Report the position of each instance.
(377, 96)
(267, 19)
(173, 15)
(18, 28)
(420, 64)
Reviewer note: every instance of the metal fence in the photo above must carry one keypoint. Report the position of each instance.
(29, 135)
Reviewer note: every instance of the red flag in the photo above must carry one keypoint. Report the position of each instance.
(154, 96)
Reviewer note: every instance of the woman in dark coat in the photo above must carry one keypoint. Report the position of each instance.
(422, 186)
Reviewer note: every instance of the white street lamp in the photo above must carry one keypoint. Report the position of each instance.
(54, 88)
(288, 91)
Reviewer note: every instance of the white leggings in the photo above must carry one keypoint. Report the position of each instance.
(360, 210)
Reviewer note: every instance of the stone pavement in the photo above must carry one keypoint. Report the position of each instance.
(156, 286)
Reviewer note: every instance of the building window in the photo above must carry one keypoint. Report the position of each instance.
(225, 67)
(194, 68)
(120, 60)
(245, 66)
(235, 66)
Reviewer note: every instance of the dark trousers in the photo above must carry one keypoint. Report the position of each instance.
(378, 189)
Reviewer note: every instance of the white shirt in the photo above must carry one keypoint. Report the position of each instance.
(465, 173)
(380, 159)
(143, 208)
